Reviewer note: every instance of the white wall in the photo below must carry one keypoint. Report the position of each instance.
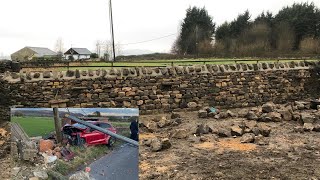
(76, 57)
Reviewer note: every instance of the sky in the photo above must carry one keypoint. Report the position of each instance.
(80, 23)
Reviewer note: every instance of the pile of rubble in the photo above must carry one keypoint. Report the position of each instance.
(250, 124)
(302, 112)
(41, 152)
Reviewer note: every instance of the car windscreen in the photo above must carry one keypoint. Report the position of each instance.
(80, 126)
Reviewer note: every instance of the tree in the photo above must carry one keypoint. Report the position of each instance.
(303, 18)
(59, 48)
(196, 28)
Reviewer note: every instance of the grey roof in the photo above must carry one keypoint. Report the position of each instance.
(82, 50)
(41, 51)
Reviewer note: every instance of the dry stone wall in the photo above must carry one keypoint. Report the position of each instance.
(164, 89)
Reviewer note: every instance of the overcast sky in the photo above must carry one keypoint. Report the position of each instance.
(81, 23)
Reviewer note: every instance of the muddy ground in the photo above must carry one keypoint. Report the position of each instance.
(289, 154)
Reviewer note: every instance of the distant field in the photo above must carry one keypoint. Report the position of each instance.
(35, 126)
(41, 126)
(159, 63)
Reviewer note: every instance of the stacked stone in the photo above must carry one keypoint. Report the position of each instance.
(166, 89)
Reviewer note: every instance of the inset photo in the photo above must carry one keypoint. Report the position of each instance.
(75, 143)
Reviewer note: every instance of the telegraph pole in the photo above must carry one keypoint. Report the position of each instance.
(112, 33)
(57, 124)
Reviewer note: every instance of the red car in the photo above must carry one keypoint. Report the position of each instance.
(78, 134)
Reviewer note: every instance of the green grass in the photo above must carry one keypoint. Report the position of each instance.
(35, 126)
(120, 124)
(159, 63)
(165, 62)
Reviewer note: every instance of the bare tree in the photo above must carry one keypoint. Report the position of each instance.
(59, 46)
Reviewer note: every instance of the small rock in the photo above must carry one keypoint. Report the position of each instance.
(192, 104)
(147, 142)
(41, 175)
(316, 128)
(177, 121)
(202, 114)
(165, 143)
(231, 114)
(307, 118)
(180, 133)
(247, 138)
(45, 145)
(243, 113)
(80, 176)
(268, 107)
(264, 129)
(286, 115)
(224, 132)
(298, 129)
(34, 178)
(251, 115)
(15, 171)
(274, 116)
(163, 122)
(236, 131)
(155, 145)
(151, 126)
(261, 140)
(175, 115)
(255, 131)
(203, 139)
(223, 115)
(308, 127)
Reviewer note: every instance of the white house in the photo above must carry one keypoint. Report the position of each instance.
(78, 53)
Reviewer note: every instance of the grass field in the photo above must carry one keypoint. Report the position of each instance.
(35, 126)
(41, 126)
(159, 63)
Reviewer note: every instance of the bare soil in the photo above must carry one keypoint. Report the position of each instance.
(289, 154)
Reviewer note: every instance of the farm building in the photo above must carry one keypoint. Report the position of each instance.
(29, 53)
(78, 53)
